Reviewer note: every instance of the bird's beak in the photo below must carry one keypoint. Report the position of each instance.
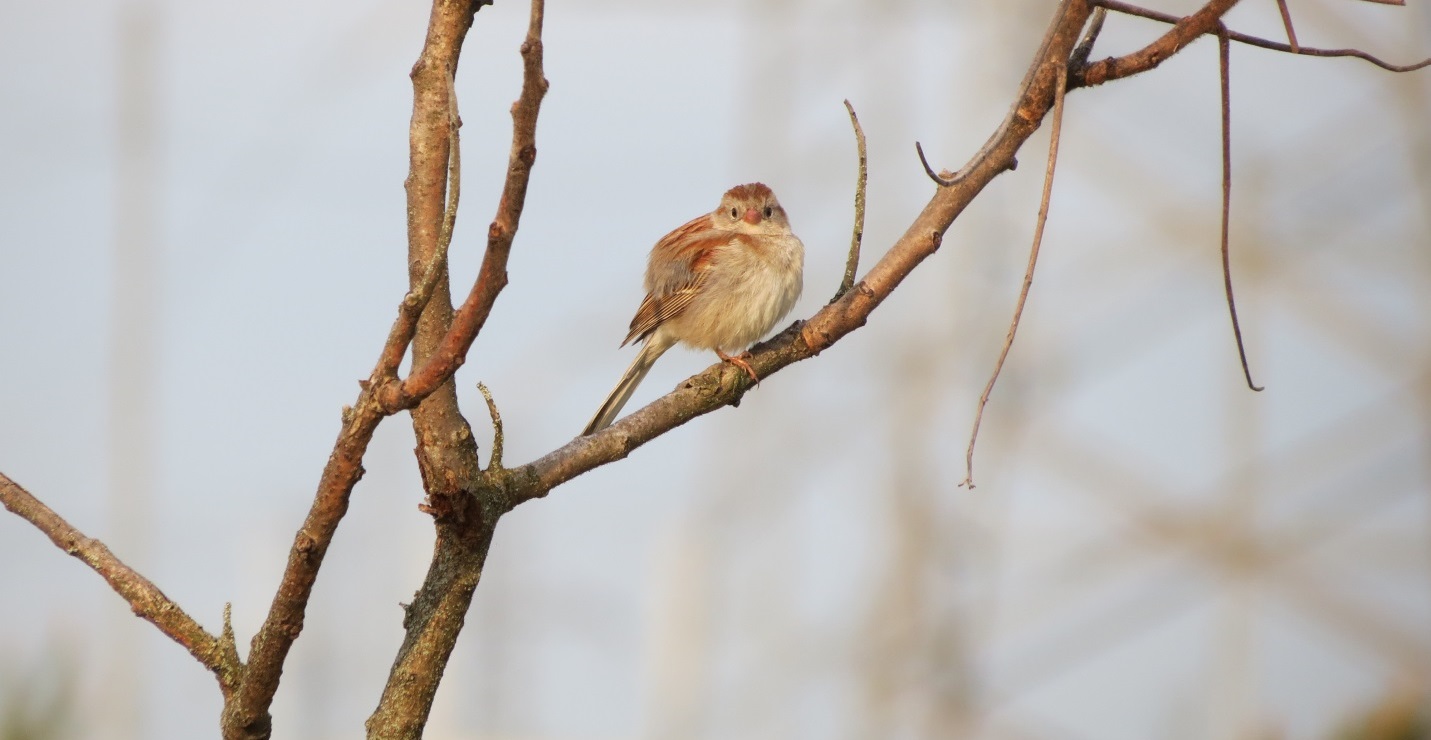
(752, 216)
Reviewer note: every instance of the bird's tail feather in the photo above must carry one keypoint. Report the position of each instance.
(650, 351)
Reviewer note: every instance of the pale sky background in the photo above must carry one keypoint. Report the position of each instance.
(1152, 549)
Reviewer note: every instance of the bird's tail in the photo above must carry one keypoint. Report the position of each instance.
(650, 351)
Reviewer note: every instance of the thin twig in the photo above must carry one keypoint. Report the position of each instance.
(852, 263)
(1287, 23)
(497, 435)
(145, 599)
(1242, 38)
(940, 181)
(1224, 68)
(229, 644)
(1080, 54)
(957, 177)
(405, 327)
(1055, 130)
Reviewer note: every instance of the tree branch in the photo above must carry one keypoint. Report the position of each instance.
(1084, 78)
(417, 298)
(145, 599)
(1295, 47)
(1183, 32)
(465, 502)
(492, 276)
(246, 715)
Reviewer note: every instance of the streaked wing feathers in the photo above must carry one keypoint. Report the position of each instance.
(675, 274)
(655, 310)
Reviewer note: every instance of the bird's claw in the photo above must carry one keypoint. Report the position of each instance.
(739, 361)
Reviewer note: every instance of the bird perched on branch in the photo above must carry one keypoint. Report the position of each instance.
(720, 282)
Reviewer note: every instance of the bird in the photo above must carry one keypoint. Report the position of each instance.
(720, 282)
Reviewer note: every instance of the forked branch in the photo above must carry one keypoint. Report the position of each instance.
(492, 276)
(1100, 72)
(246, 715)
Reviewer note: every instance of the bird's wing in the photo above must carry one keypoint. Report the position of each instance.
(677, 270)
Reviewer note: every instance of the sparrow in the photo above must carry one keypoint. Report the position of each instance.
(720, 282)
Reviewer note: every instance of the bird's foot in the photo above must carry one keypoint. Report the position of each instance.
(739, 361)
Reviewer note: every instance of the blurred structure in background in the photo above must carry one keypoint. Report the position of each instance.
(1152, 550)
(40, 701)
(134, 367)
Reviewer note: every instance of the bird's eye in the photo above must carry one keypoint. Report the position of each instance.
(767, 211)
(734, 213)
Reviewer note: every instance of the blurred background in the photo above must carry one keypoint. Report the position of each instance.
(202, 245)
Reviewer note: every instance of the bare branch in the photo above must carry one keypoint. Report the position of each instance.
(1286, 23)
(1055, 133)
(145, 599)
(492, 277)
(1224, 70)
(464, 500)
(1082, 79)
(852, 263)
(417, 298)
(1183, 32)
(246, 715)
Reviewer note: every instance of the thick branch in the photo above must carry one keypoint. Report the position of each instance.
(145, 599)
(420, 294)
(465, 503)
(246, 714)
